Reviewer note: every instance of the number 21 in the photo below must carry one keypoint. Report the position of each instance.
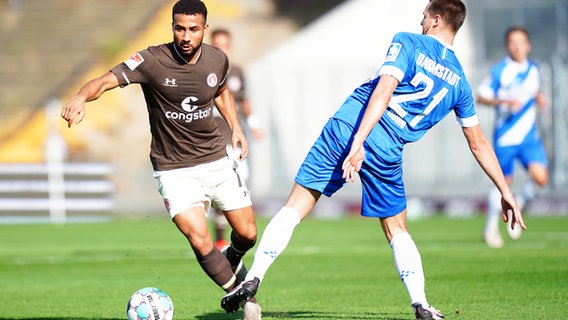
(418, 78)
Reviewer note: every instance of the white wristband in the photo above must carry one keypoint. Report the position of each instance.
(253, 121)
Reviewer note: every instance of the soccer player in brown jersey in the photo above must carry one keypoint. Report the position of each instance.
(182, 82)
(221, 38)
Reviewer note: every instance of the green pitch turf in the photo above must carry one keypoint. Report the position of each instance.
(332, 269)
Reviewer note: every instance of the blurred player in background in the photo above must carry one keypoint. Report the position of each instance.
(182, 82)
(221, 38)
(513, 88)
(420, 82)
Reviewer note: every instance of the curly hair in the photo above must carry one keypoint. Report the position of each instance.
(190, 7)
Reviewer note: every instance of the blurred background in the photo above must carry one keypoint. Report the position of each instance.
(301, 59)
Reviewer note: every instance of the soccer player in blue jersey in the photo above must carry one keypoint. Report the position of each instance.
(420, 82)
(512, 87)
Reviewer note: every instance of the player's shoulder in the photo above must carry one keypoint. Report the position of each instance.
(412, 37)
(498, 67)
(405, 36)
(153, 52)
(155, 49)
(213, 52)
(413, 40)
(533, 63)
(142, 59)
(503, 62)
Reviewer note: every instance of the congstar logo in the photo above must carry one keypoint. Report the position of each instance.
(191, 111)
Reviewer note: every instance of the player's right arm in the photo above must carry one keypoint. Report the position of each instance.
(378, 103)
(74, 110)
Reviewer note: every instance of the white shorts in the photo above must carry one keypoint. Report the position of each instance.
(242, 165)
(217, 182)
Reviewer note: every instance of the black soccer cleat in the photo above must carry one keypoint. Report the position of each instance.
(427, 313)
(235, 299)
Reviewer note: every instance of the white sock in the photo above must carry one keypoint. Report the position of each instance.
(528, 192)
(493, 211)
(274, 240)
(409, 266)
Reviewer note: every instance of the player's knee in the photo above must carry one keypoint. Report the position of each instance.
(539, 174)
(201, 246)
(394, 225)
(244, 242)
(246, 231)
(250, 235)
(540, 179)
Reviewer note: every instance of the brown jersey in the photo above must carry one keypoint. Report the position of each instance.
(179, 97)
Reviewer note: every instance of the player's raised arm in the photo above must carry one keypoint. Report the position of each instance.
(228, 109)
(74, 110)
(378, 103)
(485, 156)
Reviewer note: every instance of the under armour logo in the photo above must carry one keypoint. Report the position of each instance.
(170, 82)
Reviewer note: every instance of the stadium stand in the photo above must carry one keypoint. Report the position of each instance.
(35, 33)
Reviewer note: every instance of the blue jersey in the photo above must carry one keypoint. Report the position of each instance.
(510, 80)
(431, 84)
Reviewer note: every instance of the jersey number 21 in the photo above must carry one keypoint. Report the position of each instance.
(396, 101)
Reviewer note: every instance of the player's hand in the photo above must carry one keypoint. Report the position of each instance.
(509, 204)
(74, 111)
(353, 161)
(515, 105)
(239, 139)
(540, 101)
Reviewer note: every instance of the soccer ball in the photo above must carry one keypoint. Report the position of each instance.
(150, 304)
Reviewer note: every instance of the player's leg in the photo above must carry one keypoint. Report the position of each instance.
(192, 223)
(319, 173)
(491, 234)
(406, 256)
(383, 194)
(243, 238)
(533, 158)
(220, 225)
(187, 202)
(279, 230)
(232, 196)
(408, 264)
(321, 170)
(220, 220)
(538, 173)
(274, 240)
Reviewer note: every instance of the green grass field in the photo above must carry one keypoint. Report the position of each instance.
(332, 269)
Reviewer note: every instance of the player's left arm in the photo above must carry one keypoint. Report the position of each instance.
(378, 103)
(228, 109)
(485, 156)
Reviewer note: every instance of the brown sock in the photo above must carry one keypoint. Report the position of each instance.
(217, 268)
(238, 248)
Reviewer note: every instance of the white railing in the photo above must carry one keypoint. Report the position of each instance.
(85, 187)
